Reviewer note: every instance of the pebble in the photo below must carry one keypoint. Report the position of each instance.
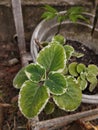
(13, 61)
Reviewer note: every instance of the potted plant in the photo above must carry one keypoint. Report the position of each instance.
(74, 30)
(52, 77)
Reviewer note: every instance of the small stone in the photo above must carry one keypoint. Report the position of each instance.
(13, 61)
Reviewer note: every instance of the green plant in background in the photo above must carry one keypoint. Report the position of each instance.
(52, 77)
(73, 14)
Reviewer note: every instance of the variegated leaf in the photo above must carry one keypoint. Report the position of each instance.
(35, 72)
(56, 83)
(71, 99)
(32, 99)
(52, 57)
(20, 78)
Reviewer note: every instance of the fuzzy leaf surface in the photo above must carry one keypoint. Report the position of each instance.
(71, 99)
(59, 39)
(49, 108)
(77, 54)
(56, 83)
(93, 85)
(35, 72)
(82, 83)
(73, 69)
(20, 78)
(32, 99)
(93, 69)
(52, 57)
(81, 68)
(91, 78)
(69, 51)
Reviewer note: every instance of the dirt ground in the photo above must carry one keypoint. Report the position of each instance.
(10, 116)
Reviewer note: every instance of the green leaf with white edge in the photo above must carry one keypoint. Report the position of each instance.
(32, 99)
(93, 81)
(83, 75)
(35, 72)
(93, 85)
(71, 99)
(82, 83)
(59, 39)
(77, 54)
(81, 68)
(91, 77)
(49, 108)
(20, 78)
(65, 71)
(93, 69)
(69, 50)
(73, 69)
(52, 58)
(44, 43)
(56, 83)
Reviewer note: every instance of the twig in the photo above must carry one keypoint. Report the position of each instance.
(22, 127)
(1, 118)
(87, 125)
(15, 126)
(5, 105)
(9, 128)
(90, 118)
(38, 43)
(61, 121)
(28, 125)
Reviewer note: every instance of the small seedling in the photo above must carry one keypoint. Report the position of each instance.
(85, 75)
(73, 14)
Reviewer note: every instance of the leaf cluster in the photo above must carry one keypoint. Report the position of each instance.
(53, 77)
(40, 81)
(73, 14)
(86, 76)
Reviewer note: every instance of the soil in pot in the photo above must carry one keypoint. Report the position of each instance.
(90, 57)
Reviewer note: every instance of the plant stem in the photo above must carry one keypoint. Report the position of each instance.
(59, 28)
(38, 43)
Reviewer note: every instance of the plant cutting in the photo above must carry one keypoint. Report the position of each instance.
(53, 77)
